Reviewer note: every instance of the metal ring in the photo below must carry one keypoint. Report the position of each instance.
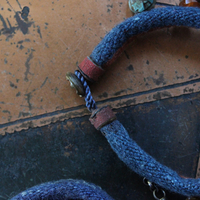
(157, 198)
(151, 185)
(145, 181)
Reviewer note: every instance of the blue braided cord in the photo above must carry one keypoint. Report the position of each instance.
(140, 23)
(90, 103)
(145, 165)
(63, 190)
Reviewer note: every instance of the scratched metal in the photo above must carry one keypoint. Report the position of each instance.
(35, 56)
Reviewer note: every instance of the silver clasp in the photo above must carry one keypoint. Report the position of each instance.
(156, 191)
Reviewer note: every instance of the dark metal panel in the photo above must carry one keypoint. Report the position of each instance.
(166, 129)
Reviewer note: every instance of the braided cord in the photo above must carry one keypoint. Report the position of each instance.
(62, 190)
(141, 23)
(90, 103)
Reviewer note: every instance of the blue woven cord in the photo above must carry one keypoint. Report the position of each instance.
(141, 23)
(90, 103)
(143, 164)
(63, 190)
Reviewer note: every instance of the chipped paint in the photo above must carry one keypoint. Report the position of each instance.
(27, 65)
(115, 103)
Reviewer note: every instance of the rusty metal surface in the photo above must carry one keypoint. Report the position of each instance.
(150, 86)
(35, 56)
(166, 129)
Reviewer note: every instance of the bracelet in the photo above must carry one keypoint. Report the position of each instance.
(104, 119)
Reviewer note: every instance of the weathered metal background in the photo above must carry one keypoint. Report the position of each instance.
(45, 135)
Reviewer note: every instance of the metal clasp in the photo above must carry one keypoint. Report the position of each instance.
(156, 191)
(163, 195)
(75, 83)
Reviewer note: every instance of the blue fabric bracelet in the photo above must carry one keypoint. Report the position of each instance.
(127, 150)
(143, 164)
(64, 190)
(141, 23)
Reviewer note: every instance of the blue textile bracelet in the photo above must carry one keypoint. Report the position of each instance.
(64, 190)
(143, 164)
(127, 150)
(141, 23)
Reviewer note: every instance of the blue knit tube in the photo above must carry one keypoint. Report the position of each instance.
(143, 164)
(141, 23)
(63, 190)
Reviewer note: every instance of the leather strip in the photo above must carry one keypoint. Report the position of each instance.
(90, 70)
(101, 117)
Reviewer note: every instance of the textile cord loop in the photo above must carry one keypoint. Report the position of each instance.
(143, 164)
(105, 52)
(126, 148)
(64, 189)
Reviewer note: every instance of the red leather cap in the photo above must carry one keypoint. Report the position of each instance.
(101, 117)
(90, 70)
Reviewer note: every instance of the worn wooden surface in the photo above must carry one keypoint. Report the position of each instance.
(154, 87)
